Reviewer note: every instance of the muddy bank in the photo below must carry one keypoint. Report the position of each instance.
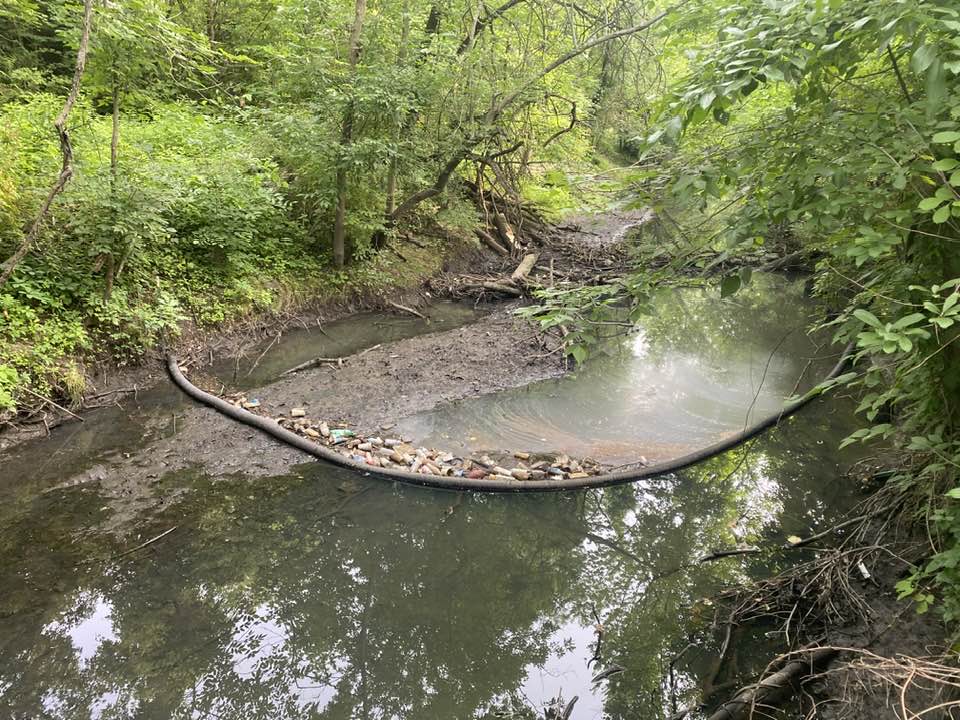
(370, 389)
(110, 383)
(383, 384)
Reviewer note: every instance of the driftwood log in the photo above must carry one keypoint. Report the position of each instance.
(495, 287)
(504, 230)
(408, 310)
(523, 269)
(488, 240)
(776, 688)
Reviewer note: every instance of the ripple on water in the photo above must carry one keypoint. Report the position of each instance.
(696, 370)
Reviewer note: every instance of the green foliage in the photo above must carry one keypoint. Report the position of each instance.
(212, 144)
(198, 229)
(588, 315)
(836, 125)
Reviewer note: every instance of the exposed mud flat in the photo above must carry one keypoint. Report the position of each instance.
(495, 352)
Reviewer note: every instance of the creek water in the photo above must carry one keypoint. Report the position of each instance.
(696, 370)
(323, 594)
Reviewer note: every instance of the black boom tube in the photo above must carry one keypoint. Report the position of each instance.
(270, 427)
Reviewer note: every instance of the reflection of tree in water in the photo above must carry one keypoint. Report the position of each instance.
(725, 329)
(390, 607)
(296, 599)
(723, 332)
(783, 483)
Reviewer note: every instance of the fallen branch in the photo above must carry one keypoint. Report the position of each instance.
(490, 242)
(504, 230)
(775, 688)
(828, 531)
(496, 287)
(718, 554)
(404, 308)
(312, 363)
(260, 357)
(51, 402)
(142, 545)
(338, 361)
(783, 262)
(523, 269)
(119, 391)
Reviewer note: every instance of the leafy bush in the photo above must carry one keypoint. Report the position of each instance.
(194, 223)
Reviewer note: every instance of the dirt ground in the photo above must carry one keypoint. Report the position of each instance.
(380, 386)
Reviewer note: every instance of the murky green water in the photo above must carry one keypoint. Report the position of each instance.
(321, 594)
(697, 370)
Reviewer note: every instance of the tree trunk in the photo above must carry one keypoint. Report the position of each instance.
(391, 203)
(346, 139)
(66, 151)
(114, 155)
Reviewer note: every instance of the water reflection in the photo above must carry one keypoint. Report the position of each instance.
(263, 363)
(322, 595)
(698, 368)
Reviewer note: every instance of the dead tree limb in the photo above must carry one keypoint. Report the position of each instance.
(504, 230)
(51, 402)
(313, 363)
(66, 150)
(404, 308)
(523, 269)
(494, 287)
(490, 242)
(718, 554)
(775, 688)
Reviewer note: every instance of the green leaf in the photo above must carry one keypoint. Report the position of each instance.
(907, 320)
(867, 317)
(923, 58)
(946, 164)
(579, 353)
(729, 285)
(773, 73)
(947, 136)
(942, 215)
(929, 203)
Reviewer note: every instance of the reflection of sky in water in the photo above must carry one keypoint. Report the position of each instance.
(87, 633)
(565, 673)
(682, 381)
